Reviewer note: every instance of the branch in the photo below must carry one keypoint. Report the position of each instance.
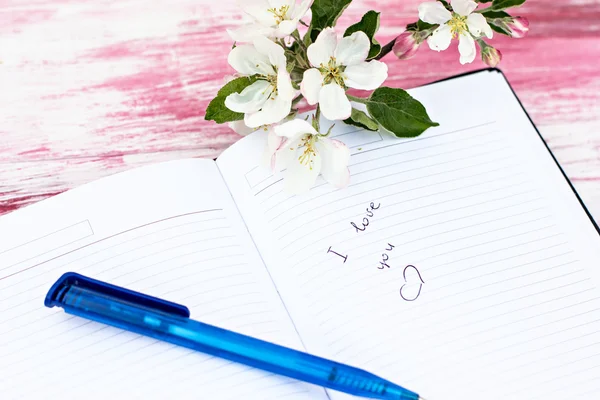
(386, 49)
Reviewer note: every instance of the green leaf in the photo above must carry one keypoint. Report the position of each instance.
(325, 13)
(362, 120)
(290, 66)
(496, 21)
(498, 29)
(498, 5)
(423, 26)
(369, 24)
(217, 111)
(495, 14)
(398, 112)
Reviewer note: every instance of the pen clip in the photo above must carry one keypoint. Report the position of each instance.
(54, 296)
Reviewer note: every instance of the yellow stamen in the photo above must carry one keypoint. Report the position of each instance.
(458, 25)
(308, 142)
(333, 72)
(279, 13)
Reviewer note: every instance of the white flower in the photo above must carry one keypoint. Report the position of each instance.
(339, 66)
(271, 18)
(269, 99)
(461, 23)
(274, 142)
(241, 129)
(306, 153)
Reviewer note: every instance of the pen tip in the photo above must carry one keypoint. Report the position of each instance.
(421, 398)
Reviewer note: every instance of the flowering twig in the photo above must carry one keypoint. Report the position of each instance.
(277, 67)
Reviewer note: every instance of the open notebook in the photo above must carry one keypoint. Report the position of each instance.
(459, 264)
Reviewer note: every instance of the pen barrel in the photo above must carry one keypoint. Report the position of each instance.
(226, 344)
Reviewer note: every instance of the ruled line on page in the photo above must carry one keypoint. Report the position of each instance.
(120, 233)
(403, 142)
(404, 201)
(417, 198)
(62, 237)
(147, 266)
(124, 242)
(392, 313)
(446, 211)
(352, 166)
(111, 248)
(572, 387)
(353, 195)
(519, 333)
(449, 241)
(320, 311)
(334, 320)
(377, 345)
(355, 184)
(406, 211)
(363, 280)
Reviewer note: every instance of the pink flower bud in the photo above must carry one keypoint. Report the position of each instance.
(491, 56)
(518, 27)
(406, 45)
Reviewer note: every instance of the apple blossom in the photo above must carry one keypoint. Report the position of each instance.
(339, 65)
(270, 18)
(306, 153)
(269, 99)
(461, 23)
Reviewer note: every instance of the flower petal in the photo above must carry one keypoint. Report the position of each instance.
(366, 75)
(334, 103)
(440, 38)
(295, 129)
(300, 11)
(478, 24)
(311, 85)
(258, 9)
(335, 156)
(352, 49)
(287, 153)
(285, 90)
(300, 177)
(274, 143)
(323, 48)
(274, 110)
(247, 60)
(247, 33)
(463, 7)
(251, 99)
(286, 28)
(278, 4)
(240, 128)
(434, 12)
(466, 48)
(270, 49)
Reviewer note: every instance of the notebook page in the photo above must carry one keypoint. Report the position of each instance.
(169, 230)
(458, 264)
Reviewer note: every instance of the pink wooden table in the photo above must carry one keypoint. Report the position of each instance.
(89, 88)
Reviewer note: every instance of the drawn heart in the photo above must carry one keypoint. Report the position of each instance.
(413, 283)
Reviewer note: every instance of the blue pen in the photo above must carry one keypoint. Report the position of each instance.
(167, 321)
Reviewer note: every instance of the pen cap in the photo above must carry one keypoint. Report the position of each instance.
(64, 294)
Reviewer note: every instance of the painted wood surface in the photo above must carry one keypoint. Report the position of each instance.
(89, 88)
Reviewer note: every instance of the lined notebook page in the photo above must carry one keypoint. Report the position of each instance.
(156, 230)
(458, 264)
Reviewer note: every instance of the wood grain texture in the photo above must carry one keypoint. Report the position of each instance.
(90, 88)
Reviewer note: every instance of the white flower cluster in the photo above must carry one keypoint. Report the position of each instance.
(335, 66)
(277, 67)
